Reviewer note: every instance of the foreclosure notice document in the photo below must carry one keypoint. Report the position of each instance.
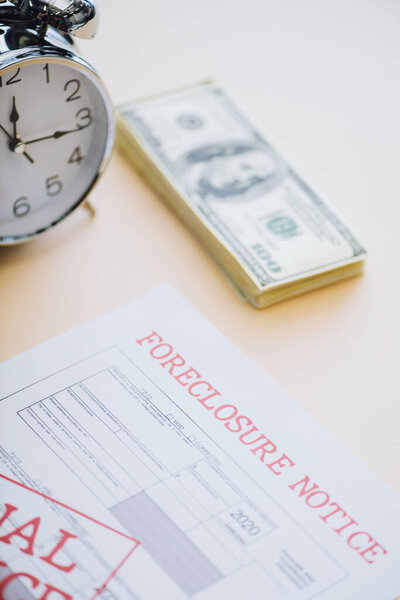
(143, 456)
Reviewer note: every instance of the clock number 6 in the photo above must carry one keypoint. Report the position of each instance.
(53, 185)
(21, 207)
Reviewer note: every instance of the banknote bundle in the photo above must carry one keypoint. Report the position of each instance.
(269, 232)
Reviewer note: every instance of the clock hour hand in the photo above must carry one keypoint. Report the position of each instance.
(16, 146)
(14, 118)
(56, 135)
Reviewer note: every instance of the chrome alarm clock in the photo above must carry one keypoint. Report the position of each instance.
(56, 119)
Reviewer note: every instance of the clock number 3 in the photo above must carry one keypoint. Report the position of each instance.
(84, 116)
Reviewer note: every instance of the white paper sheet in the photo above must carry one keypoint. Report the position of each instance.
(144, 456)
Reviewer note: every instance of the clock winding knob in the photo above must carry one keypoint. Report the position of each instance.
(78, 17)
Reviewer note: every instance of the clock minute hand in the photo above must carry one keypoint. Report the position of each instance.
(56, 135)
(6, 132)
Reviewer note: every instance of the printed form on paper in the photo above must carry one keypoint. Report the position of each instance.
(143, 456)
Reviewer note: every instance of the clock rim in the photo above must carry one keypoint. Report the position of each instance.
(56, 55)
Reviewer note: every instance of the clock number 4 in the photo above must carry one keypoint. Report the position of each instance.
(76, 156)
(13, 79)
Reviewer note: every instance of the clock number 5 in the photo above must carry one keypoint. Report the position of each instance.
(53, 185)
(21, 207)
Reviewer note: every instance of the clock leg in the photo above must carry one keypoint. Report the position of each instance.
(90, 208)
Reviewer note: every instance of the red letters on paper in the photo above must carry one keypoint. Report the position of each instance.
(25, 538)
(261, 446)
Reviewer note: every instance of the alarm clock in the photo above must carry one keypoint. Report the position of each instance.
(56, 118)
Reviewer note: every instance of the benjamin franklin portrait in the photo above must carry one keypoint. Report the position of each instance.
(231, 170)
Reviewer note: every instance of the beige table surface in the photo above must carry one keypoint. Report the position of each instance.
(322, 80)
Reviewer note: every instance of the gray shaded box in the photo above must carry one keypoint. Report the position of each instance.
(168, 545)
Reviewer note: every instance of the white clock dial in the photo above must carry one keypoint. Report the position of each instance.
(54, 135)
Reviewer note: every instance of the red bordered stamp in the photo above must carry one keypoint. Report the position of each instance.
(52, 551)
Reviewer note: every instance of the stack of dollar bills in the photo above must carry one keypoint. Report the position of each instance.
(270, 233)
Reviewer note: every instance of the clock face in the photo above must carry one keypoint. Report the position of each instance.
(54, 135)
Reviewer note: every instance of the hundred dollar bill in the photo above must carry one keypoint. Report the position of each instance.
(264, 225)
